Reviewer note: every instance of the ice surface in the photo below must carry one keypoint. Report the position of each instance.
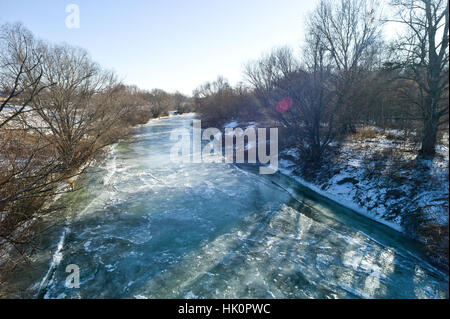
(145, 227)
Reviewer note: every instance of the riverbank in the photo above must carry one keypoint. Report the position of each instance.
(383, 180)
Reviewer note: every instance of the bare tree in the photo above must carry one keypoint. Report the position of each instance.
(218, 102)
(298, 96)
(424, 56)
(58, 110)
(264, 73)
(29, 171)
(20, 71)
(349, 31)
(310, 119)
(317, 105)
(78, 109)
(159, 102)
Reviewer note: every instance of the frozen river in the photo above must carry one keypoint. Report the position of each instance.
(145, 227)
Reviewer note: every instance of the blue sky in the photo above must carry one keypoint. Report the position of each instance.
(168, 44)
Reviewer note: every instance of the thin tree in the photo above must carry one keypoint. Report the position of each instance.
(424, 56)
(349, 31)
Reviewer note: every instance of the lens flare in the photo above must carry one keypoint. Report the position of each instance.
(284, 105)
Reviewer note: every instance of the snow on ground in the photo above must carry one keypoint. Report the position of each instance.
(27, 116)
(381, 176)
(340, 190)
(231, 124)
(383, 184)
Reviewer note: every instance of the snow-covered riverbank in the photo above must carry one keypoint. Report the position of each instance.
(385, 180)
(378, 174)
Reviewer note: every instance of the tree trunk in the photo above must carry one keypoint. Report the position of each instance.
(429, 136)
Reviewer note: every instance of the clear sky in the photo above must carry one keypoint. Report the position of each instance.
(168, 44)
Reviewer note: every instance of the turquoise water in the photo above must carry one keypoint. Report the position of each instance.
(144, 227)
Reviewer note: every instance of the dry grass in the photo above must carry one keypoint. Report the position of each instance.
(363, 134)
